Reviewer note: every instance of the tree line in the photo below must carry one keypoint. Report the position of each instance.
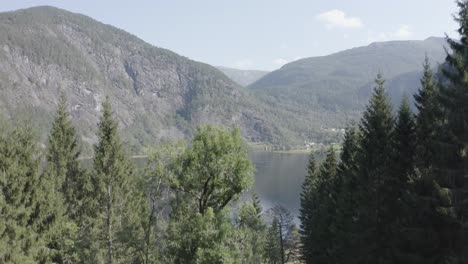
(178, 209)
(399, 192)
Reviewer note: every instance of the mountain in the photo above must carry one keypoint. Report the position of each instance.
(242, 77)
(157, 95)
(329, 92)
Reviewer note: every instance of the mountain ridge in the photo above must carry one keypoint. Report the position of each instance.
(161, 96)
(331, 91)
(157, 94)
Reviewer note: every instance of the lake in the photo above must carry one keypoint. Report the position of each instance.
(279, 177)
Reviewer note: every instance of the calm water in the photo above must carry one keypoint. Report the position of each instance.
(279, 177)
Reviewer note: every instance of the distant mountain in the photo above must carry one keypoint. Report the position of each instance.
(242, 77)
(331, 91)
(156, 94)
(159, 95)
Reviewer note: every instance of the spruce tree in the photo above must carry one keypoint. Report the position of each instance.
(324, 225)
(64, 183)
(251, 231)
(272, 250)
(63, 165)
(422, 242)
(403, 170)
(318, 211)
(347, 198)
(376, 191)
(21, 239)
(306, 210)
(115, 198)
(452, 168)
(427, 119)
(404, 144)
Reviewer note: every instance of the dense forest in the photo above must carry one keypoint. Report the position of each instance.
(178, 209)
(397, 192)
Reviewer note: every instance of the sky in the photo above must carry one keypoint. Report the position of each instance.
(263, 34)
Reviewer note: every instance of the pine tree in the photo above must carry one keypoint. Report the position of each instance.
(116, 202)
(324, 226)
(347, 198)
(306, 210)
(63, 165)
(427, 119)
(21, 239)
(318, 211)
(404, 144)
(272, 249)
(452, 171)
(251, 231)
(406, 209)
(377, 194)
(422, 243)
(64, 181)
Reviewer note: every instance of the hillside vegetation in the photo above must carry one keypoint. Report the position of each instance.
(330, 91)
(158, 95)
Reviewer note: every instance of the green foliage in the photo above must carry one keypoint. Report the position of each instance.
(215, 170)
(283, 238)
(20, 198)
(207, 177)
(330, 91)
(251, 232)
(115, 205)
(273, 245)
(452, 184)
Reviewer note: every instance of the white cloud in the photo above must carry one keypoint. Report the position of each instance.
(337, 19)
(244, 64)
(404, 32)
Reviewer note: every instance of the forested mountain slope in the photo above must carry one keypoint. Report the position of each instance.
(157, 94)
(330, 91)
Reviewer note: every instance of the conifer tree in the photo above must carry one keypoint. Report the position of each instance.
(63, 166)
(64, 185)
(452, 171)
(272, 249)
(421, 245)
(405, 210)
(323, 232)
(404, 144)
(116, 202)
(347, 198)
(21, 239)
(318, 211)
(251, 231)
(306, 211)
(427, 119)
(376, 191)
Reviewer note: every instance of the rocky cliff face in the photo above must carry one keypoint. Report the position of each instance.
(156, 94)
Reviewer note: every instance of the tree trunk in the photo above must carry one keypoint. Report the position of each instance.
(109, 225)
(281, 241)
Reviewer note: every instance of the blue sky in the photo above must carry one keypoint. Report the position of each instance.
(263, 34)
